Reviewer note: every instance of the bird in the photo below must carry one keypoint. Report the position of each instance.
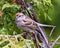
(27, 24)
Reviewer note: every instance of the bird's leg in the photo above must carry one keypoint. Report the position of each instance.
(34, 37)
(53, 27)
(25, 35)
(35, 40)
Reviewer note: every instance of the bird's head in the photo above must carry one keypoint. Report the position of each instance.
(19, 16)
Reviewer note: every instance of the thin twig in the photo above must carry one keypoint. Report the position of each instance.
(52, 30)
(55, 41)
(46, 41)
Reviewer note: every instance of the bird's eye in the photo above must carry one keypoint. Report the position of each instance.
(20, 15)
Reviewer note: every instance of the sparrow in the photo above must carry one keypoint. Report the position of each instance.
(21, 22)
(27, 24)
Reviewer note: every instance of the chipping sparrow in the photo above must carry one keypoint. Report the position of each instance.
(27, 24)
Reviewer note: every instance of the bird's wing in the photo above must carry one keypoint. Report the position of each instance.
(30, 23)
(27, 20)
